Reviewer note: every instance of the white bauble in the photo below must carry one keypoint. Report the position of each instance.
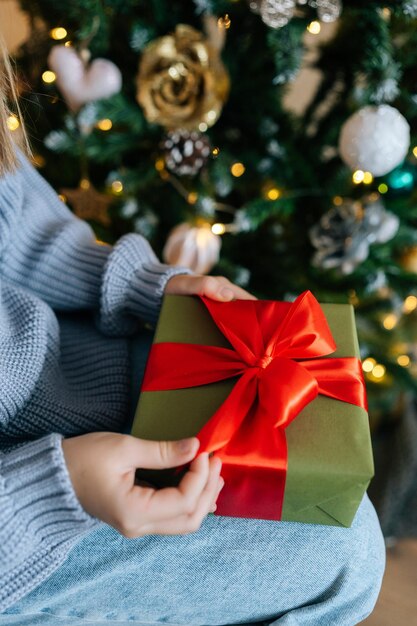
(79, 83)
(196, 247)
(375, 139)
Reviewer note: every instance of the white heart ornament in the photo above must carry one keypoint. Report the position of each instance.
(79, 83)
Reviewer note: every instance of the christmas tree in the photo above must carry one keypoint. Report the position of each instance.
(167, 118)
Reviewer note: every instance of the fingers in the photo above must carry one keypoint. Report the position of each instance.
(158, 454)
(189, 523)
(175, 509)
(215, 287)
(172, 501)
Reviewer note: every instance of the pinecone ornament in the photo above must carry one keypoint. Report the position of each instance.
(185, 152)
(343, 235)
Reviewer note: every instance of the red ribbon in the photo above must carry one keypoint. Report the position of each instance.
(277, 350)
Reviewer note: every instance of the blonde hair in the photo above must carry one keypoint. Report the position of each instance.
(8, 158)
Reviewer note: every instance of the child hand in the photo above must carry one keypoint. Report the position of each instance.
(215, 287)
(102, 470)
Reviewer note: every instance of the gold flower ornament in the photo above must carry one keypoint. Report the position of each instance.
(182, 82)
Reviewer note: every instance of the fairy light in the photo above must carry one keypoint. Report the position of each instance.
(382, 188)
(367, 178)
(368, 364)
(338, 200)
(390, 321)
(192, 197)
(273, 194)
(58, 33)
(159, 165)
(105, 124)
(13, 122)
(215, 151)
(68, 44)
(358, 177)
(379, 371)
(117, 186)
(218, 229)
(410, 304)
(202, 127)
(403, 360)
(48, 77)
(415, 151)
(237, 169)
(85, 183)
(314, 27)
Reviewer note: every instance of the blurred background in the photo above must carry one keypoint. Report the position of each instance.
(271, 141)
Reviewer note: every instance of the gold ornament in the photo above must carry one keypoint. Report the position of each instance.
(182, 82)
(408, 260)
(88, 203)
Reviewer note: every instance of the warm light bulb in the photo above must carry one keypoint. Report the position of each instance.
(117, 186)
(273, 194)
(218, 229)
(105, 124)
(390, 321)
(337, 200)
(382, 188)
(403, 360)
(237, 169)
(358, 177)
(379, 371)
(58, 33)
(410, 303)
(368, 364)
(202, 127)
(192, 197)
(314, 27)
(85, 183)
(13, 122)
(48, 76)
(367, 178)
(215, 152)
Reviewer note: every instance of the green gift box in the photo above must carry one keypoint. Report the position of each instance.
(330, 461)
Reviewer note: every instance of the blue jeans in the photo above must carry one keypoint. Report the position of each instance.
(231, 571)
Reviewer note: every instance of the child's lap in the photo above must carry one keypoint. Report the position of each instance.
(230, 571)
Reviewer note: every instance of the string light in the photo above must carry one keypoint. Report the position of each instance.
(117, 186)
(215, 151)
(415, 151)
(192, 197)
(338, 200)
(367, 178)
(13, 122)
(379, 371)
(218, 229)
(403, 360)
(58, 33)
(382, 188)
(224, 22)
(105, 124)
(85, 183)
(159, 165)
(410, 303)
(68, 44)
(48, 76)
(202, 127)
(237, 169)
(358, 177)
(273, 194)
(368, 364)
(314, 27)
(390, 321)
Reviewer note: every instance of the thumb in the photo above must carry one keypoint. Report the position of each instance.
(163, 454)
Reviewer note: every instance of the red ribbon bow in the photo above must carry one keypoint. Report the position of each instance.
(277, 350)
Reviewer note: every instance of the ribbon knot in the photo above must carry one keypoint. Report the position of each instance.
(264, 361)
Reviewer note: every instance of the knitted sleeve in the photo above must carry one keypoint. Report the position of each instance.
(47, 250)
(36, 533)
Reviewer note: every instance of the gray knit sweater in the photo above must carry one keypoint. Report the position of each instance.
(68, 306)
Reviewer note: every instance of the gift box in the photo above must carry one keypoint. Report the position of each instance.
(276, 390)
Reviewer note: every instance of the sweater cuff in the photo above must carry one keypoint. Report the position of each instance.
(41, 497)
(132, 287)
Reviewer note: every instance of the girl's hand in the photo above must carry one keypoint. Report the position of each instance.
(102, 470)
(215, 287)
